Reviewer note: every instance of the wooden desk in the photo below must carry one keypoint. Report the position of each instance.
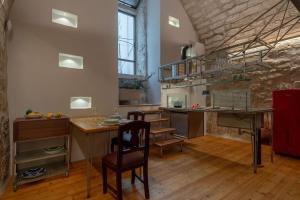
(90, 126)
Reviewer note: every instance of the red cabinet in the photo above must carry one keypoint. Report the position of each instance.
(286, 136)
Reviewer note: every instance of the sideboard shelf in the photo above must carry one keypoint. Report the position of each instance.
(53, 169)
(36, 155)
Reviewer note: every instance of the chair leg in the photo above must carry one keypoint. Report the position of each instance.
(112, 147)
(119, 186)
(104, 175)
(146, 184)
(133, 176)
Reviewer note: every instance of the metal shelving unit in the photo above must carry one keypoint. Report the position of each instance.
(233, 57)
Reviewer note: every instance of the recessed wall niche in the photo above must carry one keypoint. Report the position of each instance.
(70, 61)
(64, 18)
(81, 102)
(174, 22)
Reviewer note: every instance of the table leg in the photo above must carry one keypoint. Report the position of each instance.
(68, 158)
(88, 166)
(70, 142)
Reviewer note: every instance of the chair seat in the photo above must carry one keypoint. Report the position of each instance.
(130, 160)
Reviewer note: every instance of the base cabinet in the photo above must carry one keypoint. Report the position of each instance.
(187, 124)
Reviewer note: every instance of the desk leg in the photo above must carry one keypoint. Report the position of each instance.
(255, 144)
(88, 166)
(255, 156)
(259, 146)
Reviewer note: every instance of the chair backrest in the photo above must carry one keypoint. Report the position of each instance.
(136, 115)
(140, 131)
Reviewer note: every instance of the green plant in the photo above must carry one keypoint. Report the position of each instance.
(133, 83)
(28, 111)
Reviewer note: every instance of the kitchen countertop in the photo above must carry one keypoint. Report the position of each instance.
(224, 110)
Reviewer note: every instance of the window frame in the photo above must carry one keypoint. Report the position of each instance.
(130, 12)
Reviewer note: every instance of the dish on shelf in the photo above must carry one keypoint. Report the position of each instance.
(116, 116)
(33, 173)
(54, 150)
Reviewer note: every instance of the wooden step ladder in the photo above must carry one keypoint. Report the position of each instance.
(163, 131)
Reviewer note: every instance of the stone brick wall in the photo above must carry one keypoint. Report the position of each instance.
(4, 123)
(217, 20)
(141, 39)
(285, 63)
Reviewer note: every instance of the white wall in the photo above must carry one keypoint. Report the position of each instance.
(171, 41)
(36, 81)
(173, 38)
(165, 41)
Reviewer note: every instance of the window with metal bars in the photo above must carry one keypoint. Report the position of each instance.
(126, 44)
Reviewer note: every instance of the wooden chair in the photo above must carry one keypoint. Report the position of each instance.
(134, 115)
(129, 159)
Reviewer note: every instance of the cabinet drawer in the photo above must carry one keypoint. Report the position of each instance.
(40, 128)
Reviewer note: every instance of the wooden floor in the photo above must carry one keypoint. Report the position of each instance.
(209, 168)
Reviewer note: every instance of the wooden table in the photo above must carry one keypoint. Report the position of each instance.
(90, 126)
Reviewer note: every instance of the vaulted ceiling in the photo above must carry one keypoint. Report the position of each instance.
(217, 21)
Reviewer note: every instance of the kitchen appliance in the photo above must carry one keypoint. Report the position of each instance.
(177, 100)
(286, 133)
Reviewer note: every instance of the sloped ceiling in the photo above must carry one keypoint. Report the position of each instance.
(218, 20)
(297, 4)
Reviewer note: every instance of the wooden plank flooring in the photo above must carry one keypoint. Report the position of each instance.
(210, 168)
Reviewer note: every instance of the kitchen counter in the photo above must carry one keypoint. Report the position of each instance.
(251, 119)
(223, 110)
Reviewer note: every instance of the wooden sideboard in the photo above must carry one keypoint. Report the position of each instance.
(31, 137)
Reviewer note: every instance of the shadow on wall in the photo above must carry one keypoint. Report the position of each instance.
(4, 122)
